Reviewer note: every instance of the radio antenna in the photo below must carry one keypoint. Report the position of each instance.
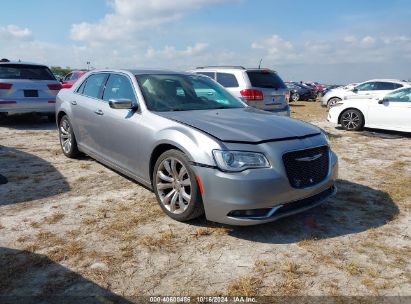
(259, 66)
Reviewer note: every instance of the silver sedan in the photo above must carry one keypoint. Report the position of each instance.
(199, 149)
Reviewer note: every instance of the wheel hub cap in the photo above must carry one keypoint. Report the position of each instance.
(173, 185)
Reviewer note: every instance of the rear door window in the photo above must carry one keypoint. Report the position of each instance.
(25, 71)
(265, 79)
(94, 85)
(118, 87)
(385, 86)
(227, 80)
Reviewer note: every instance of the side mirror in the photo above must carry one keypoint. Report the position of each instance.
(121, 104)
(355, 90)
(380, 100)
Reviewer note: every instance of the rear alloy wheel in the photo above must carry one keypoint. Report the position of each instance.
(333, 101)
(67, 139)
(352, 120)
(176, 188)
(295, 97)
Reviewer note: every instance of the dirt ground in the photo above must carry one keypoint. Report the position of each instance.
(76, 227)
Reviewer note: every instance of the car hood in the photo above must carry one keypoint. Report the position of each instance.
(246, 125)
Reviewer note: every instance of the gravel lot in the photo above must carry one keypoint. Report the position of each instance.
(75, 227)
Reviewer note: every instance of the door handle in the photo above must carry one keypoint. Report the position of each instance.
(73, 102)
(99, 112)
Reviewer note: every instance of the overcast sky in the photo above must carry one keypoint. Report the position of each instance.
(328, 41)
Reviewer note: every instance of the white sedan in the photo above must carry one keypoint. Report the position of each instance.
(393, 112)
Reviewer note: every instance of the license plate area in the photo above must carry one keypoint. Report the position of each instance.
(275, 101)
(31, 93)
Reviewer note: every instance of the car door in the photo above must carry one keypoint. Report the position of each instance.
(87, 112)
(393, 112)
(123, 128)
(362, 91)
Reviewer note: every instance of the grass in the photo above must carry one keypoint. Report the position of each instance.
(23, 238)
(352, 268)
(291, 267)
(18, 178)
(54, 218)
(9, 154)
(247, 286)
(207, 231)
(163, 241)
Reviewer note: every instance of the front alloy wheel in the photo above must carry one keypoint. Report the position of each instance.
(352, 120)
(295, 97)
(67, 139)
(176, 187)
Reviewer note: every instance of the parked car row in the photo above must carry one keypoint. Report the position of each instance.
(389, 112)
(375, 88)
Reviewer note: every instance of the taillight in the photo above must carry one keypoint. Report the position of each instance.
(55, 86)
(5, 86)
(7, 102)
(251, 94)
(51, 101)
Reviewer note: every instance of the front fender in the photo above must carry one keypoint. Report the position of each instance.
(197, 145)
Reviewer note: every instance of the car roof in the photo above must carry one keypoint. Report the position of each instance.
(387, 80)
(231, 68)
(22, 63)
(140, 71)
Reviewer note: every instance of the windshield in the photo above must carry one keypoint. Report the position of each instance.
(164, 93)
(25, 71)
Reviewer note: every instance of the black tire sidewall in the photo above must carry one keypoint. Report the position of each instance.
(195, 207)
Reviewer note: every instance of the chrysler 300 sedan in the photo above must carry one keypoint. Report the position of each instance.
(200, 149)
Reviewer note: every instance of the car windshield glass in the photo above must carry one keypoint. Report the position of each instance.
(403, 95)
(25, 71)
(164, 93)
(265, 79)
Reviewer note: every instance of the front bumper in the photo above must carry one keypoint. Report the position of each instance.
(265, 191)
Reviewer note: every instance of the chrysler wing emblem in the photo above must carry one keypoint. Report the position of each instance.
(309, 158)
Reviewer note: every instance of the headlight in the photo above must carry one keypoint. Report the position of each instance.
(236, 161)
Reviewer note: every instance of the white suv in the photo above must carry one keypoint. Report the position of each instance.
(376, 88)
(259, 88)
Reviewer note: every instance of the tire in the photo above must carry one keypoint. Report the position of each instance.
(333, 101)
(176, 188)
(67, 138)
(295, 97)
(3, 116)
(352, 120)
